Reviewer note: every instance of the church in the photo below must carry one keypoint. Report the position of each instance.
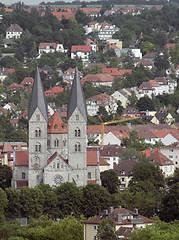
(57, 151)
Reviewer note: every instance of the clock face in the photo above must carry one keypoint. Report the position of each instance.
(58, 180)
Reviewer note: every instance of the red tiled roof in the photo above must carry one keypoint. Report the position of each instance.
(15, 28)
(61, 15)
(22, 158)
(116, 72)
(120, 135)
(27, 81)
(159, 159)
(56, 124)
(144, 63)
(97, 78)
(91, 181)
(104, 99)
(92, 158)
(45, 45)
(81, 48)
(147, 152)
(54, 91)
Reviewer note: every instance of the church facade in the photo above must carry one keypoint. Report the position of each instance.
(57, 152)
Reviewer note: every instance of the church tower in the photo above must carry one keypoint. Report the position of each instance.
(77, 121)
(38, 118)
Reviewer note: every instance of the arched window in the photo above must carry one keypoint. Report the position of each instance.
(56, 143)
(89, 175)
(38, 132)
(77, 147)
(77, 132)
(23, 175)
(64, 142)
(38, 147)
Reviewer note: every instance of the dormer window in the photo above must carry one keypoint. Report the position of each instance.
(56, 127)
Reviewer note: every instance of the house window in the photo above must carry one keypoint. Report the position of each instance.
(77, 132)
(56, 143)
(77, 147)
(23, 175)
(122, 172)
(170, 156)
(38, 147)
(89, 175)
(38, 133)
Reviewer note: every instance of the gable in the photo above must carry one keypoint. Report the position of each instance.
(57, 164)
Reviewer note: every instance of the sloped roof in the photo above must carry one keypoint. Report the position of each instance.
(97, 78)
(159, 159)
(125, 166)
(56, 124)
(37, 98)
(22, 158)
(14, 28)
(81, 48)
(92, 158)
(77, 99)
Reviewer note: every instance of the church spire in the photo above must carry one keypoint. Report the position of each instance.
(37, 99)
(77, 99)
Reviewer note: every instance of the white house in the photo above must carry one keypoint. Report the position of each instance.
(50, 48)
(102, 99)
(81, 51)
(14, 31)
(122, 96)
(172, 152)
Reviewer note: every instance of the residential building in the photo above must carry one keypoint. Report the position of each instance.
(69, 74)
(82, 52)
(122, 96)
(107, 31)
(27, 81)
(172, 152)
(93, 103)
(14, 31)
(4, 72)
(130, 112)
(50, 48)
(164, 163)
(124, 171)
(98, 79)
(111, 154)
(63, 15)
(116, 72)
(115, 42)
(7, 150)
(53, 92)
(115, 137)
(91, 43)
(122, 218)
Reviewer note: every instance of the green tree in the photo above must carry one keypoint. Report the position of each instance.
(147, 47)
(95, 199)
(132, 100)
(3, 204)
(145, 103)
(109, 180)
(169, 208)
(158, 230)
(68, 228)
(69, 200)
(32, 202)
(50, 201)
(13, 206)
(89, 90)
(107, 230)
(5, 176)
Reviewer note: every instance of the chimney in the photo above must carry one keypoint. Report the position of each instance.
(136, 211)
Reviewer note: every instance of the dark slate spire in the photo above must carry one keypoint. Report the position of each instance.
(37, 98)
(77, 98)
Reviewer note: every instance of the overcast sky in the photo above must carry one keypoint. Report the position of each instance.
(29, 2)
